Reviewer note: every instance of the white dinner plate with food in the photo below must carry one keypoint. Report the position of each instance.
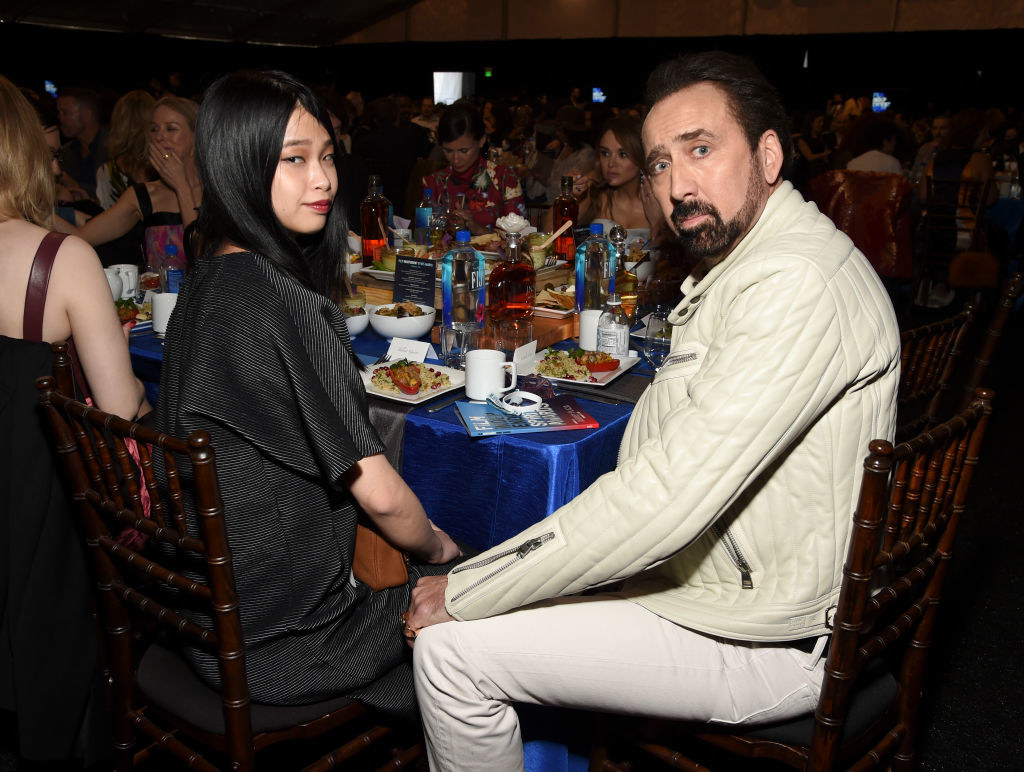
(433, 383)
(570, 374)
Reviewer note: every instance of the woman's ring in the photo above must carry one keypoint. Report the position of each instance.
(166, 156)
(409, 633)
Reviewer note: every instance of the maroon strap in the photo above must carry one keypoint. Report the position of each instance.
(38, 282)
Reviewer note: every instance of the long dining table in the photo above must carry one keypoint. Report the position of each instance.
(481, 490)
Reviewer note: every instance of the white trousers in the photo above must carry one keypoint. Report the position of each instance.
(599, 652)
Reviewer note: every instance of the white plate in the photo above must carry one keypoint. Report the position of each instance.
(457, 378)
(600, 379)
(552, 313)
(379, 274)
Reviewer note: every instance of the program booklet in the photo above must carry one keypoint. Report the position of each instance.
(556, 414)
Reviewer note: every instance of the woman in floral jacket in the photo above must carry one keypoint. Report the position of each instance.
(478, 191)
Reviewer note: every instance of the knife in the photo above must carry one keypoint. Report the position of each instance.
(447, 402)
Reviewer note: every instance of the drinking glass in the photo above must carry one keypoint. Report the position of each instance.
(456, 343)
(658, 337)
(511, 334)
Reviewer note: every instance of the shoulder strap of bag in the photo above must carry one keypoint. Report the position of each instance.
(38, 283)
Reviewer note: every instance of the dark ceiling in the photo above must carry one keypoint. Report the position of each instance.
(273, 22)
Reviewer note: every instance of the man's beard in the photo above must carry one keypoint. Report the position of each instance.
(715, 238)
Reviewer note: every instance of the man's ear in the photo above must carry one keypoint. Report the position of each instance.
(770, 155)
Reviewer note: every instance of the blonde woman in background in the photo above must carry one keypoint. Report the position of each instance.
(127, 147)
(165, 205)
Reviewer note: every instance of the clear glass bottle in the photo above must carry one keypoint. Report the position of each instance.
(424, 213)
(512, 286)
(374, 213)
(613, 328)
(564, 208)
(626, 284)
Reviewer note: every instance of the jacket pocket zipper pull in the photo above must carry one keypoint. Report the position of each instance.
(532, 544)
(746, 579)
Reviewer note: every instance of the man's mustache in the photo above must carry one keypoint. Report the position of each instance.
(687, 209)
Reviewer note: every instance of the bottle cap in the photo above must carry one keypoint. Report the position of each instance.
(172, 249)
(567, 182)
(462, 236)
(428, 192)
(596, 227)
(374, 181)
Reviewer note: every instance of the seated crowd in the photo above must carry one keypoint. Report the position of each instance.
(703, 612)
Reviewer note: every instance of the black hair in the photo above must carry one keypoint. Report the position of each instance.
(239, 135)
(461, 118)
(878, 131)
(753, 101)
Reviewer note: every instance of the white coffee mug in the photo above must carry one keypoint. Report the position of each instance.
(129, 279)
(485, 373)
(114, 280)
(163, 305)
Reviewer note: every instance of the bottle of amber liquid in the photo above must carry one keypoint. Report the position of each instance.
(512, 286)
(374, 213)
(565, 208)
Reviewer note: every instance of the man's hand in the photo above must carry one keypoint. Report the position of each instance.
(427, 606)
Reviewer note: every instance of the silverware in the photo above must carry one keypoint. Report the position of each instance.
(380, 360)
(446, 403)
(592, 396)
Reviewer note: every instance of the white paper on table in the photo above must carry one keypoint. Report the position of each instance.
(413, 350)
(401, 222)
(525, 353)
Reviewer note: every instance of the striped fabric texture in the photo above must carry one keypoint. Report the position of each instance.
(266, 367)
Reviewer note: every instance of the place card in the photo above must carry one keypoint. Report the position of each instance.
(414, 280)
(525, 354)
(414, 350)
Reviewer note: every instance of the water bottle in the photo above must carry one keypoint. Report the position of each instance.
(463, 299)
(613, 329)
(595, 277)
(171, 275)
(424, 213)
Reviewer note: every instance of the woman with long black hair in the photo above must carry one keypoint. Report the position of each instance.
(258, 355)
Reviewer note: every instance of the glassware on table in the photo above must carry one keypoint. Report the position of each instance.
(456, 343)
(510, 334)
(657, 337)
(512, 286)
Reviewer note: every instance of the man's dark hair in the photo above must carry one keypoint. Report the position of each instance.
(461, 118)
(239, 134)
(382, 112)
(753, 101)
(86, 98)
(878, 132)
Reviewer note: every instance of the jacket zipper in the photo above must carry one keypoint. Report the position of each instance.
(516, 554)
(735, 555)
(675, 358)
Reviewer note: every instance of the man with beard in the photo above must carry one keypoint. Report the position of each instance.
(728, 514)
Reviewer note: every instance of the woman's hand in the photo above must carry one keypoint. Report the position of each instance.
(170, 168)
(449, 549)
(468, 222)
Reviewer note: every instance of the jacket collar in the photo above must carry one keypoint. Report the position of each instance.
(781, 207)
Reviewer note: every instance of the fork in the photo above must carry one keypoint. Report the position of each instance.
(380, 360)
